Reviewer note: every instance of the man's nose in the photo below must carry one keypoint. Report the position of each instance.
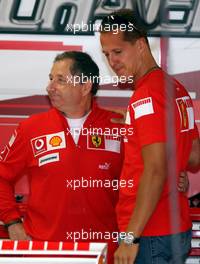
(51, 86)
(112, 60)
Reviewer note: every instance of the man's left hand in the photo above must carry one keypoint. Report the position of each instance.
(126, 254)
(183, 183)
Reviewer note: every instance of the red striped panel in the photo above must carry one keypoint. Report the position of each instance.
(38, 245)
(83, 246)
(8, 245)
(53, 245)
(23, 245)
(68, 246)
(36, 45)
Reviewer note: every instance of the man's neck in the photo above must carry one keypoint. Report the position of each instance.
(79, 111)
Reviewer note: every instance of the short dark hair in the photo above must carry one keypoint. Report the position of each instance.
(83, 65)
(129, 19)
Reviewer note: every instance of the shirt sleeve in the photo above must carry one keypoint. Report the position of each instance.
(12, 166)
(149, 116)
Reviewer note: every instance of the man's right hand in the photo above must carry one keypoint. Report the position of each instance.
(120, 111)
(17, 232)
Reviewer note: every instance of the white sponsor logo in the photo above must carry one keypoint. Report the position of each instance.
(48, 142)
(39, 144)
(48, 159)
(104, 166)
(113, 144)
(143, 107)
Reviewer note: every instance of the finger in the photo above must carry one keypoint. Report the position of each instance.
(130, 261)
(125, 261)
(116, 110)
(116, 260)
(183, 173)
(181, 179)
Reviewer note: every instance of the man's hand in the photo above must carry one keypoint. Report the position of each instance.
(17, 232)
(126, 254)
(183, 183)
(120, 111)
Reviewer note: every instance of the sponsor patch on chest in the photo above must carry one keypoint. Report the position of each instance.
(48, 142)
(48, 159)
(104, 142)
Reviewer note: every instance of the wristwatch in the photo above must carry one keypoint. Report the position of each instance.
(129, 239)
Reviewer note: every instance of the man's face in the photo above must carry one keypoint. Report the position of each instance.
(62, 89)
(122, 55)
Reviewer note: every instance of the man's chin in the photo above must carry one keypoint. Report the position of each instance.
(53, 103)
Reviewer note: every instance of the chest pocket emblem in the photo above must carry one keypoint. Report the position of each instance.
(96, 141)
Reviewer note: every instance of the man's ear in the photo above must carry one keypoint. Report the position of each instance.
(86, 88)
(141, 44)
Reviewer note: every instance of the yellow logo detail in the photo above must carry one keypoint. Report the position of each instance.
(55, 141)
(184, 114)
(96, 141)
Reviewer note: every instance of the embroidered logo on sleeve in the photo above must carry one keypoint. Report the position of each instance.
(12, 139)
(48, 142)
(143, 107)
(186, 113)
(4, 153)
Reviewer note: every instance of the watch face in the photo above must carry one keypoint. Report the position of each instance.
(129, 239)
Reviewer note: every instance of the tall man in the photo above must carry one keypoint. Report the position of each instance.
(144, 211)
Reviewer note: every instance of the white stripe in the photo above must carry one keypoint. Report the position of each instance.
(127, 93)
(8, 124)
(15, 245)
(193, 95)
(14, 116)
(195, 243)
(114, 93)
(30, 245)
(60, 246)
(75, 246)
(45, 245)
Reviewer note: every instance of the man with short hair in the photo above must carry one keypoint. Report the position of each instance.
(152, 215)
(72, 156)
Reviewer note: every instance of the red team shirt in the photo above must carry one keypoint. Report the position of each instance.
(147, 116)
(43, 148)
